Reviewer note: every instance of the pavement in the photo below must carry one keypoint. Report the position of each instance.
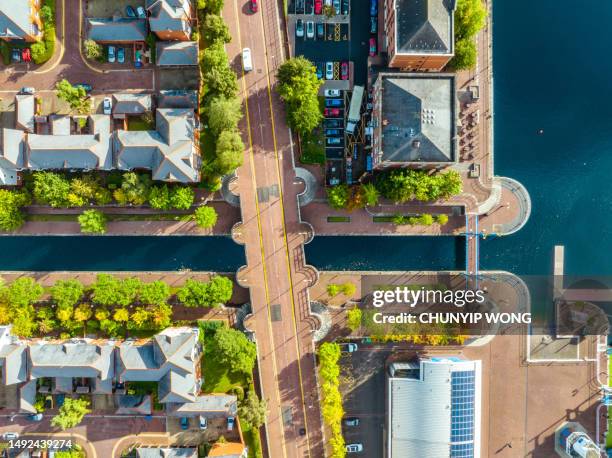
(273, 236)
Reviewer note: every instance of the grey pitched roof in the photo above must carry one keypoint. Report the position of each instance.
(68, 360)
(170, 15)
(100, 125)
(210, 405)
(172, 53)
(166, 453)
(137, 363)
(24, 107)
(116, 30)
(424, 26)
(130, 103)
(418, 118)
(13, 147)
(27, 397)
(13, 359)
(15, 19)
(60, 125)
(138, 149)
(177, 387)
(177, 99)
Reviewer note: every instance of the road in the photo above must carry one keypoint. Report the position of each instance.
(273, 237)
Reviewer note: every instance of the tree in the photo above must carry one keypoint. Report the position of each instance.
(223, 114)
(229, 152)
(218, 77)
(11, 217)
(101, 314)
(75, 96)
(23, 292)
(253, 410)
(353, 318)
(215, 29)
(64, 314)
(140, 317)
(23, 325)
(470, 18)
(154, 293)
(121, 315)
(159, 197)
(108, 290)
(220, 291)
(46, 13)
(213, 6)
(333, 289)
(232, 349)
(205, 217)
(51, 189)
(134, 189)
(441, 219)
(92, 222)
(161, 315)
(182, 197)
(66, 293)
(348, 288)
(465, 55)
(92, 49)
(196, 293)
(338, 196)
(370, 194)
(83, 313)
(71, 413)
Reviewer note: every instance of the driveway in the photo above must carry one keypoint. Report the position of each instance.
(68, 62)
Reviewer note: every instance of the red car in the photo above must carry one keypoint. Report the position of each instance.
(344, 70)
(318, 6)
(328, 112)
(372, 47)
(25, 55)
(254, 6)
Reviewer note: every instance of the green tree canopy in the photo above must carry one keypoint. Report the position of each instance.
(76, 97)
(23, 292)
(338, 196)
(218, 76)
(159, 197)
(205, 217)
(92, 222)
(196, 293)
(223, 114)
(232, 349)
(402, 185)
(154, 293)
(71, 413)
(182, 197)
(134, 189)
(230, 152)
(370, 194)
(353, 318)
(11, 217)
(92, 49)
(253, 410)
(465, 55)
(67, 293)
(51, 189)
(215, 29)
(108, 290)
(470, 18)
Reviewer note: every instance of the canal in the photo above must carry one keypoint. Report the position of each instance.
(552, 72)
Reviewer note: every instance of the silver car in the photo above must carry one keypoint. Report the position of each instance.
(310, 29)
(329, 70)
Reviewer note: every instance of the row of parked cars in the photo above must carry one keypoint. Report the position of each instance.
(203, 423)
(373, 27)
(306, 6)
(325, 70)
(334, 128)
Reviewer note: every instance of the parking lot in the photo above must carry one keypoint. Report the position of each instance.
(108, 8)
(363, 385)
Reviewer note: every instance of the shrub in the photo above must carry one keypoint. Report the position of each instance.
(441, 219)
(182, 197)
(11, 202)
(92, 222)
(51, 189)
(353, 318)
(93, 50)
(333, 289)
(205, 217)
(338, 196)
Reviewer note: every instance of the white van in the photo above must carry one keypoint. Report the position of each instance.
(247, 63)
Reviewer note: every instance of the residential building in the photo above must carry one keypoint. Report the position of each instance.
(419, 34)
(20, 20)
(414, 120)
(178, 99)
(167, 452)
(177, 53)
(170, 20)
(12, 156)
(213, 406)
(117, 30)
(129, 103)
(434, 408)
(228, 450)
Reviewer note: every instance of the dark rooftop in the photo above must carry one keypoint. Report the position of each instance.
(424, 26)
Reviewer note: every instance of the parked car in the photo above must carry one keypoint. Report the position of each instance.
(328, 2)
(354, 448)
(344, 70)
(247, 62)
(320, 31)
(130, 11)
(372, 47)
(111, 54)
(329, 112)
(332, 92)
(140, 11)
(336, 4)
(332, 122)
(373, 24)
(28, 90)
(333, 141)
(16, 55)
(345, 7)
(254, 6)
(333, 102)
(86, 86)
(299, 28)
(138, 59)
(184, 423)
(348, 347)
(310, 32)
(10, 436)
(121, 55)
(26, 55)
(230, 423)
(373, 7)
(329, 71)
(351, 421)
(320, 70)
(35, 417)
(203, 422)
(333, 132)
(318, 7)
(107, 105)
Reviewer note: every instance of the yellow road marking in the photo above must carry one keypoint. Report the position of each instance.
(280, 188)
(91, 67)
(261, 244)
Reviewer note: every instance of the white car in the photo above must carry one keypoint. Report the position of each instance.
(10, 436)
(332, 92)
(111, 54)
(329, 70)
(230, 423)
(310, 29)
(349, 348)
(354, 448)
(140, 11)
(247, 62)
(107, 105)
(203, 422)
(299, 28)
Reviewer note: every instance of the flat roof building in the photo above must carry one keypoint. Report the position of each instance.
(414, 120)
(419, 33)
(434, 408)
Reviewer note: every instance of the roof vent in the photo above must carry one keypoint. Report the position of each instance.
(416, 144)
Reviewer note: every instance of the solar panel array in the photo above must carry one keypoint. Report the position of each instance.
(462, 414)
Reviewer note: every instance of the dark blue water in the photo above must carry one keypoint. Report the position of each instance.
(553, 71)
(219, 254)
